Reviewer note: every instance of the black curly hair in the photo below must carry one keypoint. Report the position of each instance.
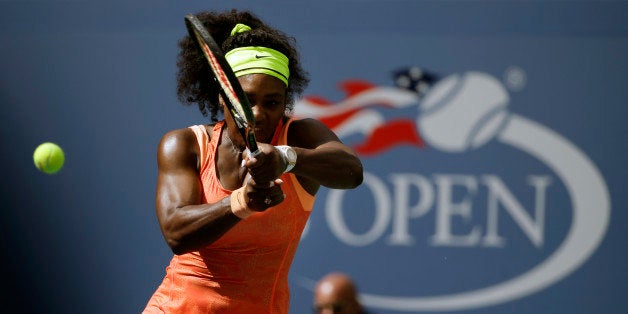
(194, 85)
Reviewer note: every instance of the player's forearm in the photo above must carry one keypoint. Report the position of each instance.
(332, 165)
(189, 228)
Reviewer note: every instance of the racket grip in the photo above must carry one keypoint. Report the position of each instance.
(252, 147)
(250, 153)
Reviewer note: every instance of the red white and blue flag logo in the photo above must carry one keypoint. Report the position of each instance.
(358, 112)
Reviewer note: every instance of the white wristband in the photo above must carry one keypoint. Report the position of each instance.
(288, 155)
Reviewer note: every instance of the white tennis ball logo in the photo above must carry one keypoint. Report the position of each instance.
(463, 111)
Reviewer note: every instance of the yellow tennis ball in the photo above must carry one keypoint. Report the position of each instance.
(49, 157)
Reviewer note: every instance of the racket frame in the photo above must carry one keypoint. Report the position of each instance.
(230, 89)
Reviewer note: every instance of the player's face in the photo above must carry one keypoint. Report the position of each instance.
(267, 95)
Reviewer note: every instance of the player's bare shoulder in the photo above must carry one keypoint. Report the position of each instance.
(309, 132)
(176, 140)
(180, 146)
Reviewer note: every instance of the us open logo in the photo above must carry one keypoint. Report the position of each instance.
(453, 117)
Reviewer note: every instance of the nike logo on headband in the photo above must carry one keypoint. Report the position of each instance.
(259, 57)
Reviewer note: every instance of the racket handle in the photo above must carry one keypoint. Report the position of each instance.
(250, 153)
(252, 144)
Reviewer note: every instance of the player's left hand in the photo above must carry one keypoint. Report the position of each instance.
(263, 196)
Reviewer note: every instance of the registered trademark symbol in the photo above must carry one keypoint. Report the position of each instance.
(515, 78)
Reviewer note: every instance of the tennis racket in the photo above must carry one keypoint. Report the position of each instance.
(230, 88)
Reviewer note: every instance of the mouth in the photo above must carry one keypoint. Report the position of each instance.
(261, 134)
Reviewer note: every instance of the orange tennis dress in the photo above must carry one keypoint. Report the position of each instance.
(246, 270)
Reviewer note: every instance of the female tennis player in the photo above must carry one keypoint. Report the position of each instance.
(234, 222)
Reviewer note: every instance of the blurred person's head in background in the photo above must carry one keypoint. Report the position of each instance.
(336, 293)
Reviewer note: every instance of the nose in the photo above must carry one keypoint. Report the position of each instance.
(255, 109)
(258, 112)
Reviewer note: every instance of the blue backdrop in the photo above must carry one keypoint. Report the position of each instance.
(498, 188)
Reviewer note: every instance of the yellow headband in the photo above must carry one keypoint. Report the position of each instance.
(250, 60)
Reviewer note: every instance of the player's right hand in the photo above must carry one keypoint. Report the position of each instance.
(267, 165)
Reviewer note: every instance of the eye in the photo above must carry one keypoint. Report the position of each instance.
(272, 103)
